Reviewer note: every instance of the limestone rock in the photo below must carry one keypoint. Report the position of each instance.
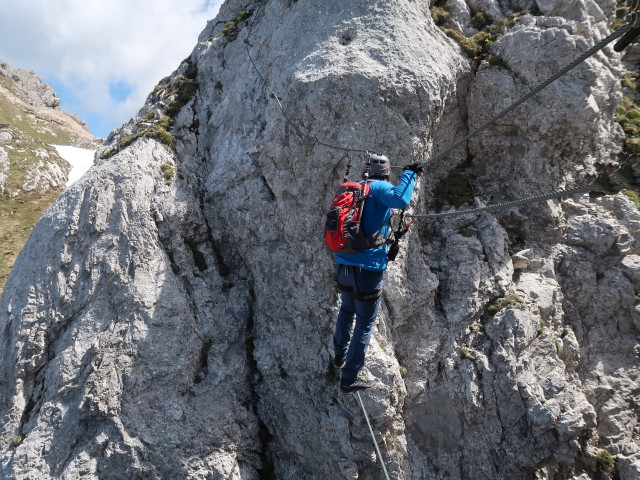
(172, 314)
(43, 176)
(522, 259)
(490, 7)
(29, 87)
(460, 15)
(4, 169)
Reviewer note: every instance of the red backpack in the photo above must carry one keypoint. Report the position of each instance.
(343, 228)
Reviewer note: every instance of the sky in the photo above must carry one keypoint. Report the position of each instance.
(102, 57)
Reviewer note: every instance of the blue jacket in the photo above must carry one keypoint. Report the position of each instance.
(383, 196)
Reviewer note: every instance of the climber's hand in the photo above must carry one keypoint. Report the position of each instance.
(414, 167)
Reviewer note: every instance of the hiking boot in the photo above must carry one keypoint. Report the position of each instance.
(356, 386)
(338, 362)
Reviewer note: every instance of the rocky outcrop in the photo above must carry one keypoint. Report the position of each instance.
(40, 168)
(4, 167)
(33, 107)
(171, 315)
(29, 87)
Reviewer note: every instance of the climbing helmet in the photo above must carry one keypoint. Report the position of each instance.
(379, 166)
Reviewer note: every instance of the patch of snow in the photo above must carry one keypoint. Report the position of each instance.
(81, 159)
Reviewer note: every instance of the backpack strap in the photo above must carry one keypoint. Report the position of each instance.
(377, 240)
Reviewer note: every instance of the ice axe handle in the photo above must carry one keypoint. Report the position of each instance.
(626, 39)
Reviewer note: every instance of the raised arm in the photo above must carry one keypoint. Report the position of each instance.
(398, 196)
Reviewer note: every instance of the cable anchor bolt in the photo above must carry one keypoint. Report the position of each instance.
(633, 19)
(633, 4)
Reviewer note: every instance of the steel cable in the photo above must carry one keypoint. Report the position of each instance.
(373, 437)
(592, 51)
(514, 203)
(583, 189)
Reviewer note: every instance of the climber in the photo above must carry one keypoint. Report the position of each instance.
(359, 275)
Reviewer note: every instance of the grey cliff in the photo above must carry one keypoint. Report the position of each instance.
(30, 88)
(171, 315)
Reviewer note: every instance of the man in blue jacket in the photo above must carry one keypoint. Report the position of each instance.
(360, 275)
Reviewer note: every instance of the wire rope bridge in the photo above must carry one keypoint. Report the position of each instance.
(608, 182)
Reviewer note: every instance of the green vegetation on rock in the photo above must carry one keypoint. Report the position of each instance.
(171, 94)
(510, 300)
(628, 116)
(605, 463)
(456, 189)
(467, 353)
(630, 81)
(168, 172)
(17, 440)
(440, 15)
(634, 197)
(17, 217)
(231, 28)
(24, 151)
(32, 131)
(19, 209)
(33, 122)
(628, 112)
(477, 46)
(621, 14)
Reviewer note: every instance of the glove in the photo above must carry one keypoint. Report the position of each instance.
(603, 185)
(414, 167)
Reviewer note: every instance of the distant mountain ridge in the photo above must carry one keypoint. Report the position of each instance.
(29, 88)
(32, 106)
(32, 173)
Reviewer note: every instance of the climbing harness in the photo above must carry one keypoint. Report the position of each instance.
(363, 297)
(373, 437)
(400, 231)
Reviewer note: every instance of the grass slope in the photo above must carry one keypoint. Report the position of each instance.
(17, 218)
(32, 131)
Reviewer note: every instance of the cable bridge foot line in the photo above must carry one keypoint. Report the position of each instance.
(373, 437)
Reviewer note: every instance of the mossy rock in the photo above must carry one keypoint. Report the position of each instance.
(168, 172)
(184, 90)
(456, 189)
(634, 197)
(478, 45)
(467, 353)
(605, 463)
(231, 29)
(158, 131)
(481, 20)
(440, 15)
(510, 300)
(628, 116)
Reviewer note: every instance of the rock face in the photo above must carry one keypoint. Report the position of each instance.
(29, 87)
(171, 315)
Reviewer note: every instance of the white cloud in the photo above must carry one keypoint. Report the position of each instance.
(86, 48)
